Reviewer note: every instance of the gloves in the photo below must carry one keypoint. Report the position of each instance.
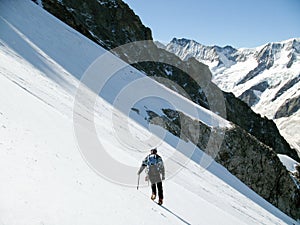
(163, 177)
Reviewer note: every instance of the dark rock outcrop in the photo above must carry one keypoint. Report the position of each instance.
(288, 108)
(286, 87)
(110, 23)
(263, 129)
(243, 155)
(250, 96)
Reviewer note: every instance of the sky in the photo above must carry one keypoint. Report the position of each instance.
(238, 23)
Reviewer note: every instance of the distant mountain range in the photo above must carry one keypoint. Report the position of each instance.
(266, 77)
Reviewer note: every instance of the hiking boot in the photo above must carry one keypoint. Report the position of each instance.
(160, 201)
(153, 196)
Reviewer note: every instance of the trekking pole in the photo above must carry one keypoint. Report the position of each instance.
(138, 183)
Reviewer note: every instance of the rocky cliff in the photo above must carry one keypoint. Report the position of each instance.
(110, 23)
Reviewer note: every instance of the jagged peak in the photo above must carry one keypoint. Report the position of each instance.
(291, 40)
(274, 44)
(295, 42)
(183, 41)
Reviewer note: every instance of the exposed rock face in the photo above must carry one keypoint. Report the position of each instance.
(259, 168)
(263, 129)
(250, 158)
(288, 108)
(250, 96)
(110, 23)
(286, 87)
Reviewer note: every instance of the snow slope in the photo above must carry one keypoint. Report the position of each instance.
(45, 179)
(288, 162)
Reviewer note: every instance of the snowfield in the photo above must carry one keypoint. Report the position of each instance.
(45, 178)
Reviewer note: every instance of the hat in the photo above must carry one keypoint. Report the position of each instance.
(154, 151)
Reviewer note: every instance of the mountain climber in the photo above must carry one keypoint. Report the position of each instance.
(155, 173)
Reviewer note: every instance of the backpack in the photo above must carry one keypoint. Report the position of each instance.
(154, 164)
(152, 160)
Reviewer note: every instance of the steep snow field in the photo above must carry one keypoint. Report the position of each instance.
(44, 177)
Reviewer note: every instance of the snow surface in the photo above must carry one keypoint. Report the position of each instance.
(45, 179)
(288, 162)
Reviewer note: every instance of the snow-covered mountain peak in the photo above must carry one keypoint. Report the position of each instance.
(217, 57)
(275, 51)
(266, 77)
(212, 55)
(183, 41)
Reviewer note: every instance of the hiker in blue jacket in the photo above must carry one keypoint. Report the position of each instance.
(155, 173)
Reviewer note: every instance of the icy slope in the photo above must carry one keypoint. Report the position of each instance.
(44, 178)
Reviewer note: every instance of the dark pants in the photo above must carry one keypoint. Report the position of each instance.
(160, 189)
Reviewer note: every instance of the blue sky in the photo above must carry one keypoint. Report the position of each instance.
(239, 23)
